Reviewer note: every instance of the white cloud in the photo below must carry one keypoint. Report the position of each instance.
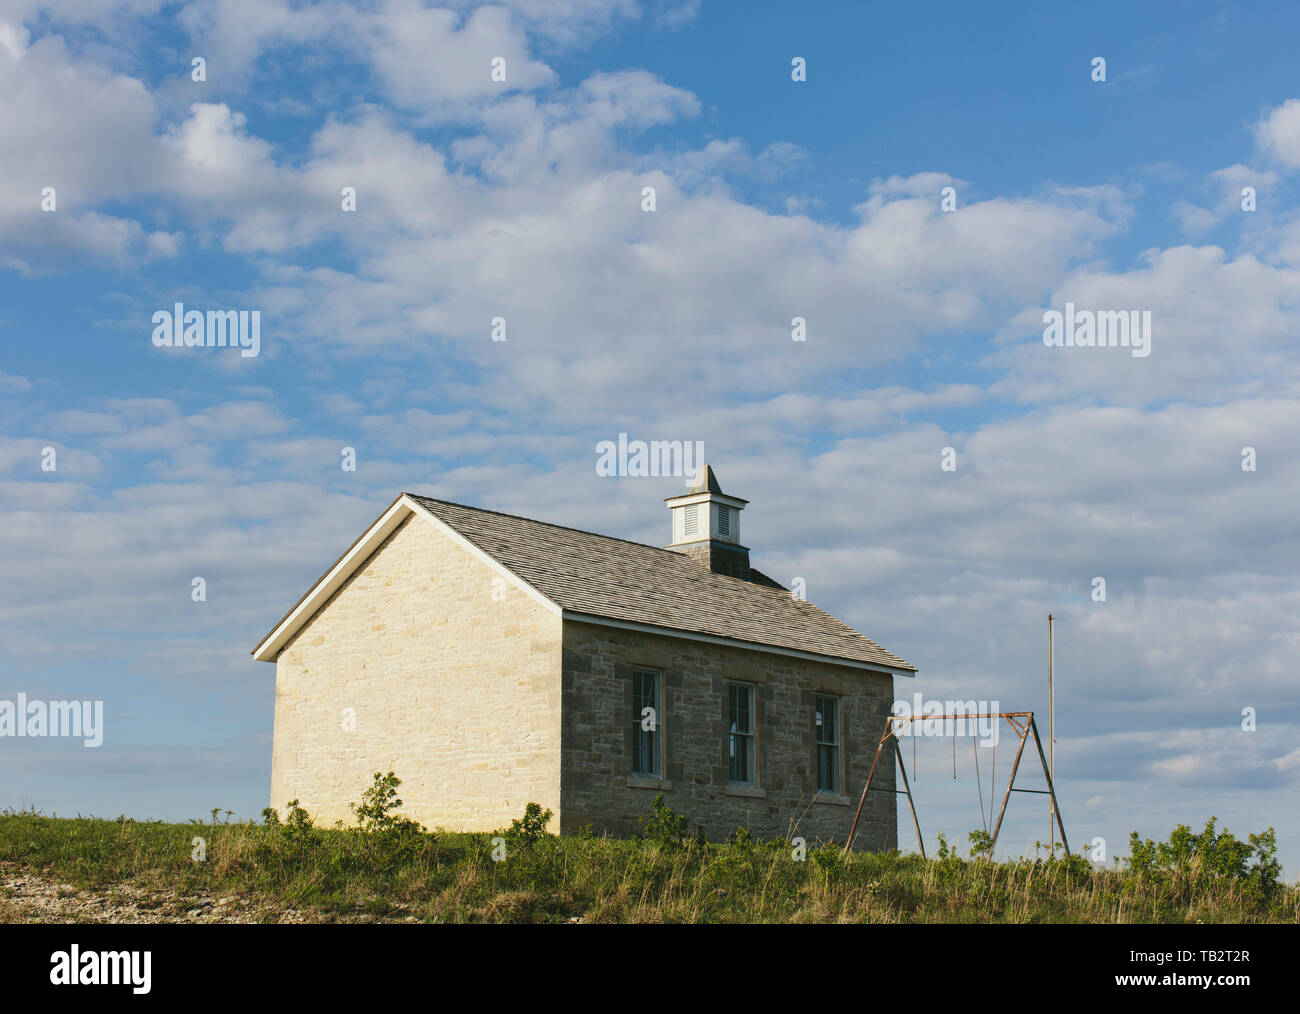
(633, 98)
(74, 127)
(1278, 134)
(430, 58)
(571, 22)
(1226, 186)
(678, 15)
(12, 384)
(1222, 328)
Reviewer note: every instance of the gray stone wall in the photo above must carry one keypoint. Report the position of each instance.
(598, 789)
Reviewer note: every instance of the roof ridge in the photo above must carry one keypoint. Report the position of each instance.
(568, 528)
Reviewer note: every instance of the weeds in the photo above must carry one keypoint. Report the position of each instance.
(389, 868)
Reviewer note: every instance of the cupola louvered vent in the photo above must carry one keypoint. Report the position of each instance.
(724, 521)
(691, 521)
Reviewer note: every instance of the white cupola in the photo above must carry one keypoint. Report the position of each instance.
(706, 526)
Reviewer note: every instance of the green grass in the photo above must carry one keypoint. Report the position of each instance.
(446, 877)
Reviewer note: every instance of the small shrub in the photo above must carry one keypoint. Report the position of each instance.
(289, 840)
(529, 828)
(298, 827)
(1075, 865)
(387, 839)
(827, 861)
(376, 813)
(1265, 872)
(742, 839)
(663, 825)
(981, 844)
(1191, 858)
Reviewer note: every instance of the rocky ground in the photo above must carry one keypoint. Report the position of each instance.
(36, 896)
(31, 896)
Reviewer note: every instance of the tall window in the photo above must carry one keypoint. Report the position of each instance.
(740, 708)
(645, 724)
(828, 745)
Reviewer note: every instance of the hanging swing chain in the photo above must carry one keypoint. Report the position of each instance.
(993, 772)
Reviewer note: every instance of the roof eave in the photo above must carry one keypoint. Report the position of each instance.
(735, 642)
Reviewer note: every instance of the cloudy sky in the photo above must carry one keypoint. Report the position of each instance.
(126, 186)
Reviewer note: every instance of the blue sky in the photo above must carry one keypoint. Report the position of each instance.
(774, 199)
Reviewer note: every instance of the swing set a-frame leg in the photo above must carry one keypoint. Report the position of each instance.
(1007, 795)
(888, 734)
(902, 768)
(853, 830)
(1050, 787)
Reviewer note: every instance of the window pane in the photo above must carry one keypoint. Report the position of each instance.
(740, 737)
(827, 769)
(645, 742)
(742, 752)
(739, 707)
(827, 720)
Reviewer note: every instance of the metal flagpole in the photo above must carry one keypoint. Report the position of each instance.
(1051, 738)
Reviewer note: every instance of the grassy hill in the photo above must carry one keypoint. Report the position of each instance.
(389, 869)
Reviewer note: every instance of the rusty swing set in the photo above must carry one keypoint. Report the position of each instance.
(1023, 724)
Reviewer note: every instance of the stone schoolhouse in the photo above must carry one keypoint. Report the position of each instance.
(492, 660)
